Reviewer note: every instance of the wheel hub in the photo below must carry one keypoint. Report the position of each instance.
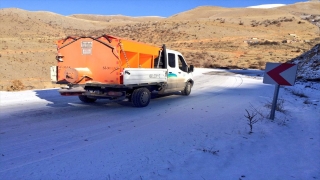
(144, 97)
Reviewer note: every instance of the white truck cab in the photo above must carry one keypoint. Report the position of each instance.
(178, 71)
(171, 71)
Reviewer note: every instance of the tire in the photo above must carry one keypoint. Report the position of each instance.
(86, 99)
(141, 97)
(187, 89)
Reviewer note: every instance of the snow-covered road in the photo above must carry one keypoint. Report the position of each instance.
(46, 136)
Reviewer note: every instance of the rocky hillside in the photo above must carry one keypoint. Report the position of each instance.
(308, 65)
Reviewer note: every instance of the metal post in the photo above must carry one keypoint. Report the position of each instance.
(274, 102)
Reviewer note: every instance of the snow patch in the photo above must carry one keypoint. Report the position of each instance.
(267, 6)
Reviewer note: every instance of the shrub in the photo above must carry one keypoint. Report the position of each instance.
(253, 66)
(261, 64)
(299, 94)
(269, 43)
(307, 101)
(208, 64)
(251, 120)
(16, 85)
(279, 106)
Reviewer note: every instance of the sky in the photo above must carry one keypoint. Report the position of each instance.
(164, 8)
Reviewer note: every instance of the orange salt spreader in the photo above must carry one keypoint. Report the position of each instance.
(100, 59)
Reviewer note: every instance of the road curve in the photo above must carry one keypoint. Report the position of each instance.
(43, 134)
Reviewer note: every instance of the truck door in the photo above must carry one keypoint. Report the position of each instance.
(183, 71)
(175, 75)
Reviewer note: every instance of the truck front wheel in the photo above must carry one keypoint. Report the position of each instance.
(141, 97)
(86, 99)
(187, 89)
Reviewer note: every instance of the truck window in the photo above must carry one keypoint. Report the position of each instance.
(182, 64)
(172, 60)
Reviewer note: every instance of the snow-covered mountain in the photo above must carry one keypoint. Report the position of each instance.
(267, 6)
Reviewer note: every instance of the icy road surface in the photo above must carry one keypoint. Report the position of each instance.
(203, 136)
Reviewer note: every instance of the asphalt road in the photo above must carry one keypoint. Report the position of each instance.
(43, 134)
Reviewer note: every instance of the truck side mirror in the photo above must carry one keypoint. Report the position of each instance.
(191, 68)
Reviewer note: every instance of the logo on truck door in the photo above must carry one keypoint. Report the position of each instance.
(86, 47)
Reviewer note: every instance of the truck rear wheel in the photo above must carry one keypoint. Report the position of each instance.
(86, 99)
(187, 89)
(141, 97)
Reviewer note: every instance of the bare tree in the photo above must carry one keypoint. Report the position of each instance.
(251, 120)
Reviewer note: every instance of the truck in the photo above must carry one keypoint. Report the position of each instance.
(109, 67)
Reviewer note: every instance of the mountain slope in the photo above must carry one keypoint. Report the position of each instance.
(207, 36)
(116, 18)
(310, 7)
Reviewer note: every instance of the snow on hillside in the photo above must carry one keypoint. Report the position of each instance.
(308, 65)
(267, 6)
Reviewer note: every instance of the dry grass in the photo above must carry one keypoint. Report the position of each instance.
(207, 36)
(16, 85)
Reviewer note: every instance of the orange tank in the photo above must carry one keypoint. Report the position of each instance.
(100, 59)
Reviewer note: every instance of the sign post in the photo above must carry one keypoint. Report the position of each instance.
(279, 74)
(274, 102)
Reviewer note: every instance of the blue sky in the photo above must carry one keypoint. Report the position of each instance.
(164, 8)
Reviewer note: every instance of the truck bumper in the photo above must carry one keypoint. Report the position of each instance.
(72, 91)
